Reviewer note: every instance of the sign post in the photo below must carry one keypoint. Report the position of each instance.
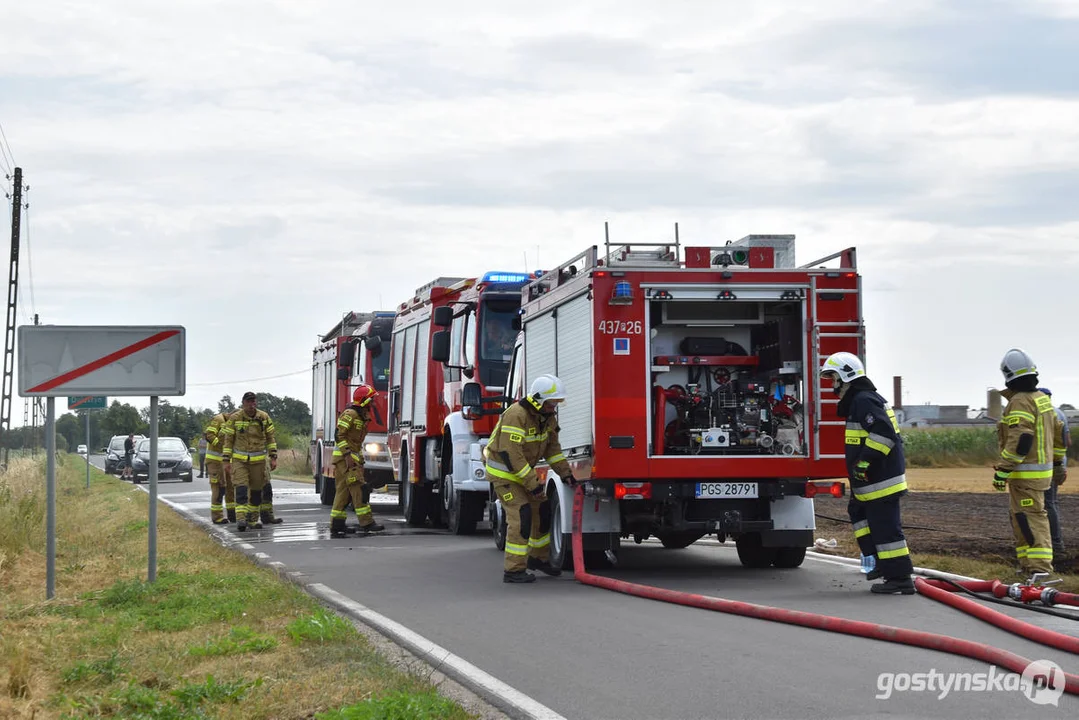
(95, 360)
(87, 403)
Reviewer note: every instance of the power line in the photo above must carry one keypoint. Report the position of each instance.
(249, 380)
(3, 136)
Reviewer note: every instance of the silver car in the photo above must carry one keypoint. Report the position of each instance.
(173, 460)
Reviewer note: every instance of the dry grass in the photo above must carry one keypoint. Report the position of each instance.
(111, 645)
(978, 480)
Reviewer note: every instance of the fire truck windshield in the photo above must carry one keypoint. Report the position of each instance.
(496, 339)
(380, 370)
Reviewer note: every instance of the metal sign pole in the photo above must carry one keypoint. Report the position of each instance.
(87, 413)
(50, 498)
(152, 573)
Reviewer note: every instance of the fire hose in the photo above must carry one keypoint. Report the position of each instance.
(859, 628)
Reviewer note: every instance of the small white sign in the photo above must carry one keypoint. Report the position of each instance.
(69, 360)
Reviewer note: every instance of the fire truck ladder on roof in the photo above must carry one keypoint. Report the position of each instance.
(827, 330)
(642, 255)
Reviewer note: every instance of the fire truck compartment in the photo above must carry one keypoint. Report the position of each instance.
(727, 373)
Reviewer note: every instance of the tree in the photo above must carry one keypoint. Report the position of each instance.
(225, 404)
(122, 419)
(289, 414)
(70, 428)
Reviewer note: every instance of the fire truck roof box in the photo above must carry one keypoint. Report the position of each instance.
(783, 245)
(352, 320)
(438, 282)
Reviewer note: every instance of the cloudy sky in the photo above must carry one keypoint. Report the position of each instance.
(251, 170)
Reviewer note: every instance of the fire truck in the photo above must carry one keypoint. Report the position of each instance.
(354, 351)
(693, 402)
(454, 331)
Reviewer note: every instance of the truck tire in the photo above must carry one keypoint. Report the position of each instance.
(752, 553)
(789, 557)
(414, 495)
(466, 509)
(561, 542)
(677, 540)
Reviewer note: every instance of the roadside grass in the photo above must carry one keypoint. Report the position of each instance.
(294, 462)
(214, 637)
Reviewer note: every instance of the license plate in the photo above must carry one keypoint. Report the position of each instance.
(727, 490)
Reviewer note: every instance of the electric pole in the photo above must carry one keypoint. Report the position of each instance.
(12, 296)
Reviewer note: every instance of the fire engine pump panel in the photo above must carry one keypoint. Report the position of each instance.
(727, 377)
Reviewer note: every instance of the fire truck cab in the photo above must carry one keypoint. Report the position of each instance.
(354, 351)
(694, 405)
(455, 335)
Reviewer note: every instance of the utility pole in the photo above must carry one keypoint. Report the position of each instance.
(12, 296)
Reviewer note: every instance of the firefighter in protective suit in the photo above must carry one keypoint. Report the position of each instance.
(1025, 466)
(249, 438)
(348, 465)
(526, 433)
(221, 486)
(876, 468)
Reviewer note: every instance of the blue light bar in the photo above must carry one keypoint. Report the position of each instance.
(385, 313)
(504, 277)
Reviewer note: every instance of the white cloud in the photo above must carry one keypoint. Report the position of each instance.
(252, 170)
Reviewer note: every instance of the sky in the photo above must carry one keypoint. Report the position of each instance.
(253, 170)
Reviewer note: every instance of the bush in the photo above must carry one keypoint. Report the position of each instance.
(950, 447)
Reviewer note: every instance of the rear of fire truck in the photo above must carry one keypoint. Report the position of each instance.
(693, 402)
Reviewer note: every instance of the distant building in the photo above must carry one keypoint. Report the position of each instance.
(913, 416)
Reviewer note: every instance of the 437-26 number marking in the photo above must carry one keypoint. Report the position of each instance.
(620, 327)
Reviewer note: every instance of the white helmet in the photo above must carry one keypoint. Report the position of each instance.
(1017, 363)
(544, 388)
(846, 366)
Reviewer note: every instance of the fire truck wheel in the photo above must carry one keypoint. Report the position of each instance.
(415, 496)
(461, 515)
(679, 540)
(752, 552)
(789, 557)
(561, 542)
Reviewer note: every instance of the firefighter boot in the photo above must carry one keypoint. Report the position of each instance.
(373, 527)
(543, 566)
(337, 527)
(230, 513)
(894, 586)
(253, 507)
(518, 576)
(241, 508)
(267, 506)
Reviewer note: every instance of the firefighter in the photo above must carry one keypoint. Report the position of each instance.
(1061, 443)
(249, 438)
(1025, 465)
(348, 465)
(876, 468)
(221, 486)
(266, 513)
(526, 433)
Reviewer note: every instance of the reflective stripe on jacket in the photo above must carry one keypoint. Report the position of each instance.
(872, 435)
(349, 434)
(249, 439)
(523, 437)
(1027, 413)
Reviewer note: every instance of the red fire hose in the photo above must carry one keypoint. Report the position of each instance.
(903, 636)
(1016, 591)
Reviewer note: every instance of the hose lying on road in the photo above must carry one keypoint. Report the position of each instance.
(859, 628)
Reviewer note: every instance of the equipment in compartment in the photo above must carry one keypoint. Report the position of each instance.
(729, 407)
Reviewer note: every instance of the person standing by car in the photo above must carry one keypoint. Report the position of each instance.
(129, 457)
(221, 487)
(249, 438)
(348, 465)
(202, 456)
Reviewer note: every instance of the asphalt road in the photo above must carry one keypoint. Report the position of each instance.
(590, 653)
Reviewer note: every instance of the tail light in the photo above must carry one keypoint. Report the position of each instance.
(813, 489)
(633, 491)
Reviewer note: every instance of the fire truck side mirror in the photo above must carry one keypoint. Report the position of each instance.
(471, 395)
(342, 374)
(374, 345)
(440, 345)
(347, 354)
(442, 316)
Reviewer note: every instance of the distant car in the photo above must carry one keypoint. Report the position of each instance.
(81, 450)
(114, 452)
(173, 460)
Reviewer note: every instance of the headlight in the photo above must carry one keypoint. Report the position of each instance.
(138, 462)
(185, 463)
(374, 448)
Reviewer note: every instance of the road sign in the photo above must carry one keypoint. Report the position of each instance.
(77, 360)
(87, 402)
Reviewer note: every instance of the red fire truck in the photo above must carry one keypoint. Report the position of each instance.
(452, 331)
(693, 401)
(354, 351)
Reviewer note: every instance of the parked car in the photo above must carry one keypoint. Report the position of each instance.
(81, 450)
(173, 460)
(114, 452)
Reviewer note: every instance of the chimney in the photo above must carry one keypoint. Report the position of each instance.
(993, 404)
(897, 392)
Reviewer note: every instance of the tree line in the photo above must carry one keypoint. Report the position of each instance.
(291, 417)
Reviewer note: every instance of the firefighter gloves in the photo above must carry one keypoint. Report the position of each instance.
(860, 470)
(1000, 481)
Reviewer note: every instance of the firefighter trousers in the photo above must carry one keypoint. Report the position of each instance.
(350, 487)
(221, 489)
(1030, 524)
(249, 479)
(528, 526)
(878, 528)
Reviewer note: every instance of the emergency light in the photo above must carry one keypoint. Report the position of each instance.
(623, 293)
(504, 277)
